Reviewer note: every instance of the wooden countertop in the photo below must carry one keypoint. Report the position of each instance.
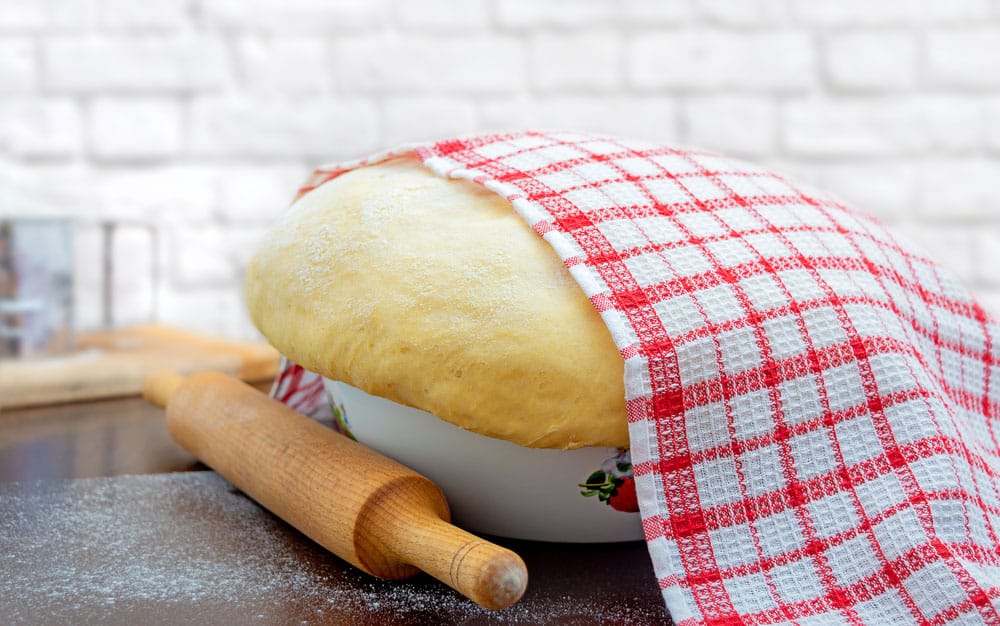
(108, 524)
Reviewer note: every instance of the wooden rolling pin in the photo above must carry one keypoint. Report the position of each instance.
(371, 511)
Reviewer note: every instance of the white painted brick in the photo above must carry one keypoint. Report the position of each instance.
(47, 15)
(285, 65)
(126, 128)
(46, 128)
(850, 12)
(152, 15)
(533, 14)
(881, 126)
(199, 257)
(872, 60)
(885, 189)
(993, 124)
(422, 118)
(443, 15)
(741, 125)
(967, 57)
(576, 60)
(646, 12)
(430, 65)
(745, 12)
(87, 277)
(712, 59)
(18, 69)
(291, 17)
(187, 194)
(282, 128)
(133, 64)
(958, 188)
(257, 194)
(133, 267)
(217, 311)
(987, 249)
(651, 118)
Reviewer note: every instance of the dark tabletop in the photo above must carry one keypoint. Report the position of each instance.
(187, 547)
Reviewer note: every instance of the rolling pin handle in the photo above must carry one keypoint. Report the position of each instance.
(159, 385)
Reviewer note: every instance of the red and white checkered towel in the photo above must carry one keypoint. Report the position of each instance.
(812, 404)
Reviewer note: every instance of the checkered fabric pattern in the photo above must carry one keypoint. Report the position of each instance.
(812, 403)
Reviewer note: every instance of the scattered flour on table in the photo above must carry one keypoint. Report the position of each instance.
(107, 545)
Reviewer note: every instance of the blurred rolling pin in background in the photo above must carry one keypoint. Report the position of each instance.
(371, 511)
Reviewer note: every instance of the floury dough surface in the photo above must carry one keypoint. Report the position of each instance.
(436, 294)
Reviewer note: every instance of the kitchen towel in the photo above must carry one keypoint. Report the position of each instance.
(812, 403)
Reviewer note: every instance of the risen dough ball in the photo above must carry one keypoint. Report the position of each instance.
(436, 294)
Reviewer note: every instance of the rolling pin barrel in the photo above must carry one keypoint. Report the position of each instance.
(375, 513)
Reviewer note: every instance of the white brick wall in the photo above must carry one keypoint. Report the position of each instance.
(198, 118)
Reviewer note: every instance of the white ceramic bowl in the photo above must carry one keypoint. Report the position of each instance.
(494, 486)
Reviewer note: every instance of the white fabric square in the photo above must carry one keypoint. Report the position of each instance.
(764, 465)
(749, 593)
(836, 244)
(858, 440)
(730, 252)
(707, 426)
(666, 191)
(601, 147)
(624, 194)
(779, 216)
(648, 269)
(893, 372)
(934, 473)
(596, 172)
(784, 336)
(899, 533)
(752, 414)
(704, 189)
(779, 534)
(768, 245)
(739, 350)
(813, 454)
(801, 284)
(674, 163)
(697, 360)
(852, 560)
(739, 219)
(701, 224)
(824, 327)
(806, 243)
(590, 197)
(717, 482)
(720, 304)
(560, 180)
(732, 546)
(879, 494)
(843, 386)
(689, 261)
(764, 292)
(885, 608)
(796, 581)
(938, 588)
(833, 515)
(623, 234)
(679, 314)
(951, 518)
(800, 399)
(637, 166)
(743, 185)
(660, 229)
(557, 153)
